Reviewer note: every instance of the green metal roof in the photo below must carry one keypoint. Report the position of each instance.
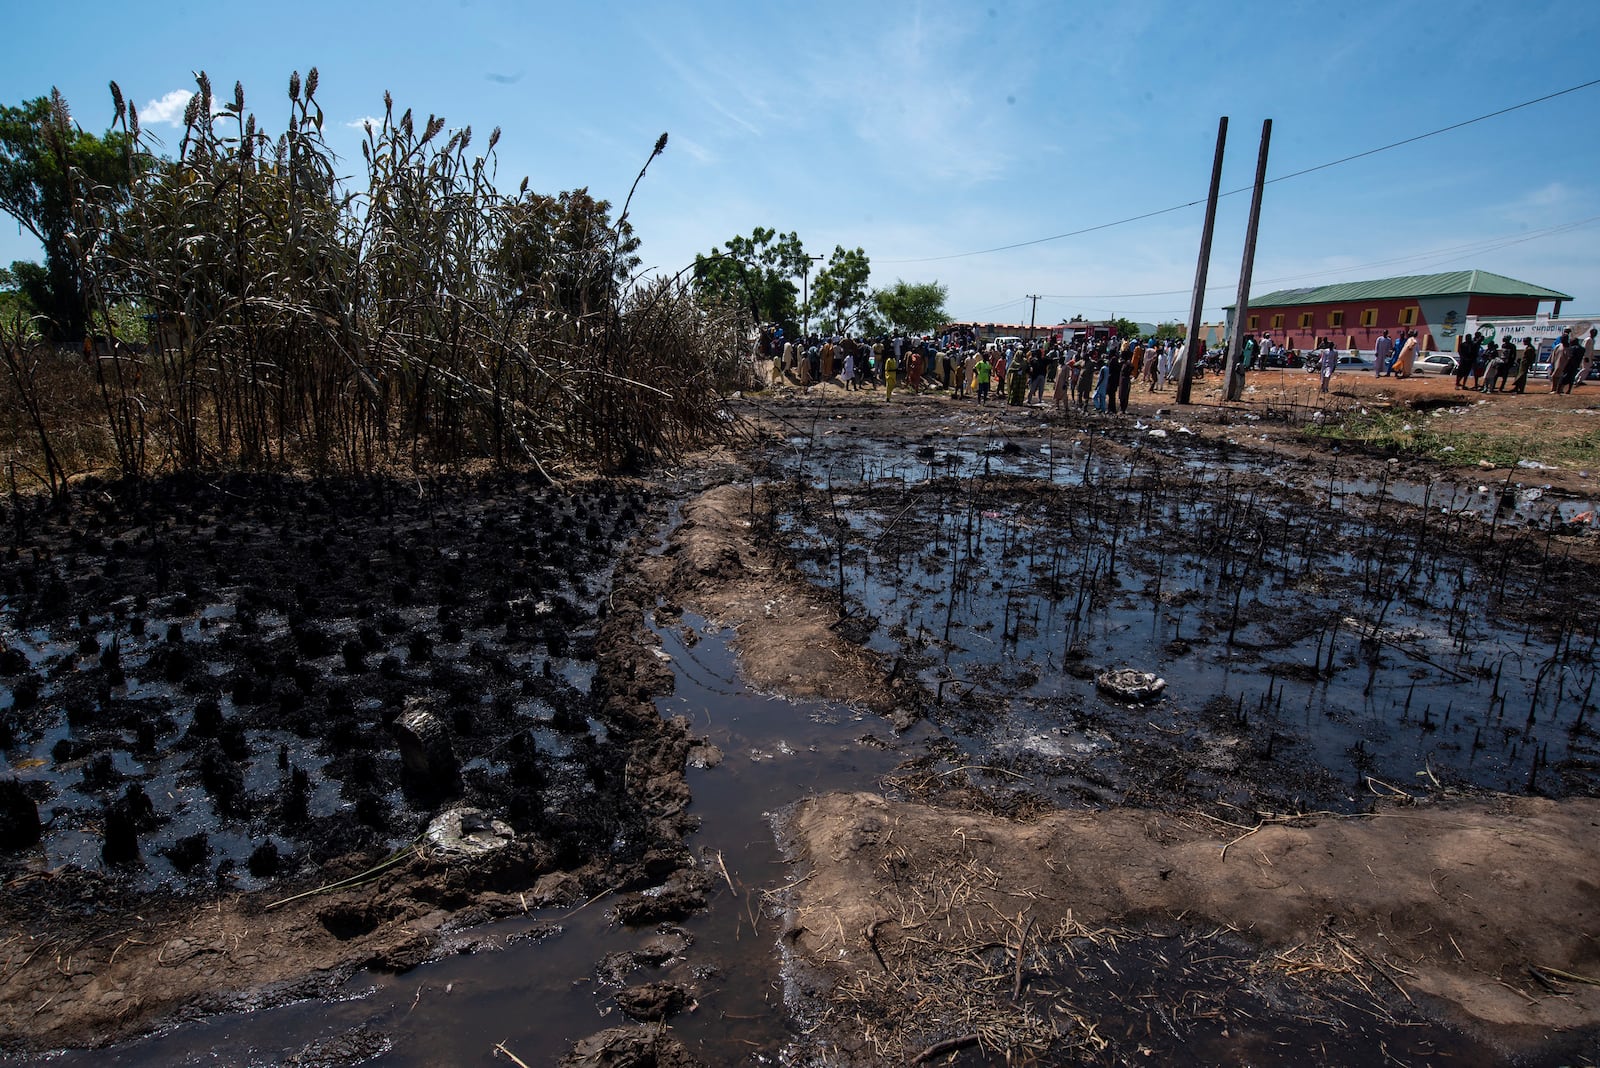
(1449, 284)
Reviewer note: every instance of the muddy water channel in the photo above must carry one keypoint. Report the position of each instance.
(539, 982)
(1325, 636)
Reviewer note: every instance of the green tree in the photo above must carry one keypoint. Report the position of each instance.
(48, 169)
(755, 273)
(1124, 328)
(1171, 331)
(565, 248)
(914, 306)
(839, 295)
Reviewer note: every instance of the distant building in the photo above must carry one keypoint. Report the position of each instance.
(986, 332)
(1436, 306)
(1542, 330)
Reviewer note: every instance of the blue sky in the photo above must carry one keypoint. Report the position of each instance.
(922, 132)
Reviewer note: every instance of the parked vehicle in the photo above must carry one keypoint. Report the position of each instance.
(1438, 363)
(1346, 362)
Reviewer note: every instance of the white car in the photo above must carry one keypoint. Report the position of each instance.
(1437, 363)
(1345, 362)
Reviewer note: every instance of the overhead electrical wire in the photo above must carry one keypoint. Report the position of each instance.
(1243, 189)
(1450, 252)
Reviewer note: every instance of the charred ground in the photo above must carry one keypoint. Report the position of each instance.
(1343, 630)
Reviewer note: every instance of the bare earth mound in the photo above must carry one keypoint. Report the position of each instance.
(1483, 914)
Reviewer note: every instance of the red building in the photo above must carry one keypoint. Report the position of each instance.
(1436, 306)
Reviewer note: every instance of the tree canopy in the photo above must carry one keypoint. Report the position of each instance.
(48, 169)
(561, 248)
(755, 273)
(914, 306)
(839, 296)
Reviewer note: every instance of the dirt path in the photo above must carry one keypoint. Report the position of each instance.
(788, 632)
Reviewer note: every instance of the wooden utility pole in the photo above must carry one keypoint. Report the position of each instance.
(1033, 316)
(1192, 338)
(1233, 387)
(805, 299)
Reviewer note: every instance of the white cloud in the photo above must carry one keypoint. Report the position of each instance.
(167, 109)
(693, 149)
(365, 121)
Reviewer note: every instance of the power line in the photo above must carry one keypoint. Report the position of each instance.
(1450, 252)
(1270, 181)
(1435, 133)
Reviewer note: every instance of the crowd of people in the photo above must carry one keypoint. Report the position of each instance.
(1504, 368)
(1086, 372)
(1098, 373)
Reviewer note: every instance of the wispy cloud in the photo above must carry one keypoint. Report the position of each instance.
(931, 107)
(693, 149)
(167, 109)
(718, 98)
(365, 121)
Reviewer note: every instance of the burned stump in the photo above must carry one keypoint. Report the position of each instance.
(429, 765)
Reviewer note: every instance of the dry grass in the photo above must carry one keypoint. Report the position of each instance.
(415, 316)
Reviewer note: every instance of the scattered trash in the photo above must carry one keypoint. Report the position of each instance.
(466, 832)
(1535, 465)
(1158, 433)
(1130, 685)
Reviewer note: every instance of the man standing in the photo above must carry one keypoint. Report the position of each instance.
(1383, 354)
(1038, 368)
(1525, 361)
(1574, 365)
(1466, 360)
(1328, 361)
(1558, 361)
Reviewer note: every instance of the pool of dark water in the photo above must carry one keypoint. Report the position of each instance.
(1323, 640)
